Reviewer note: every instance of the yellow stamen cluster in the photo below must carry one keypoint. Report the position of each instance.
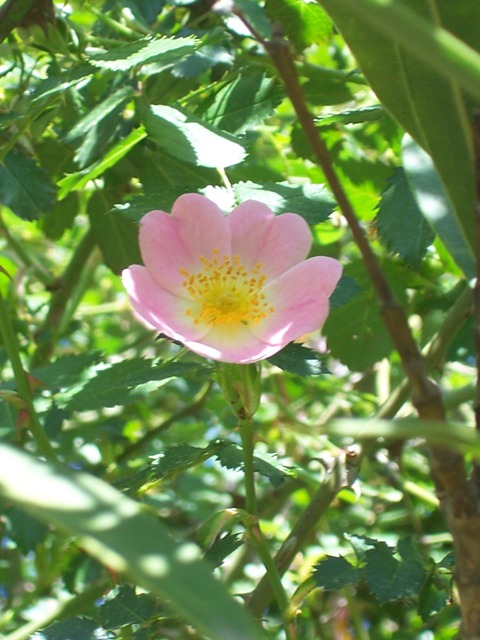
(227, 291)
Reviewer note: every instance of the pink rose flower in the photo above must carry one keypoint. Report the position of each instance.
(233, 288)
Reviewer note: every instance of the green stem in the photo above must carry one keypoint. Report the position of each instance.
(256, 535)
(61, 306)
(22, 382)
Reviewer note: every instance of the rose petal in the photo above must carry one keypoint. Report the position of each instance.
(277, 242)
(202, 226)
(232, 344)
(300, 299)
(158, 307)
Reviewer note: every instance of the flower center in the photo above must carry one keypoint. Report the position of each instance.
(227, 292)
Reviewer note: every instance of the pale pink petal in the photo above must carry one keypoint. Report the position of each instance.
(277, 242)
(300, 300)
(202, 227)
(158, 307)
(163, 251)
(232, 344)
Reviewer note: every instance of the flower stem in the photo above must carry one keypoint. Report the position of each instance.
(255, 532)
(23, 385)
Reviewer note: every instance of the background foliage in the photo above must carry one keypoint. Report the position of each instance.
(135, 527)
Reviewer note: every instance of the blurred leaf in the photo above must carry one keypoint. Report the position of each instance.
(184, 137)
(25, 187)
(123, 606)
(304, 22)
(24, 530)
(346, 290)
(205, 58)
(160, 50)
(298, 359)
(400, 224)
(244, 102)
(76, 181)
(405, 72)
(334, 573)
(455, 436)
(117, 531)
(61, 82)
(117, 384)
(311, 201)
(434, 204)
(432, 601)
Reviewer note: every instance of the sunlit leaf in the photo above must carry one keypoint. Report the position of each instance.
(117, 531)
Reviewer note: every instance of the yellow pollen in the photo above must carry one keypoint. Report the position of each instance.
(227, 292)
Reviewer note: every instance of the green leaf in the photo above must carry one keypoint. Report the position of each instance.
(407, 56)
(117, 531)
(99, 112)
(304, 22)
(311, 201)
(400, 224)
(334, 573)
(76, 181)
(231, 457)
(59, 83)
(296, 358)
(435, 206)
(73, 629)
(355, 331)
(65, 371)
(123, 606)
(188, 139)
(243, 103)
(353, 116)
(205, 58)
(222, 548)
(165, 51)
(391, 579)
(25, 187)
(117, 384)
(116, 235)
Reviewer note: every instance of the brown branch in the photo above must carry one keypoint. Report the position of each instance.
(458, 496)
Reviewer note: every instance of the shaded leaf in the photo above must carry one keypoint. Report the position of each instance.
(73, 629)
(160, 50)
(123, 607)
(391, 579)
(399, 222)
(25, 187)
(353, 116)
(334, 573)
(222, 548)
(116, 235)
(190, 140)
(65, 371)
(243, 103)
(298, 359)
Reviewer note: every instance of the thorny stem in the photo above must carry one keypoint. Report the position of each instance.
(458, 497)
(255, 532)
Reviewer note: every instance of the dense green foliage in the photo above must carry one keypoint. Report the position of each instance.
(135, 526)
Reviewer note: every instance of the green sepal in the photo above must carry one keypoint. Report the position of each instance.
(241, 386)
